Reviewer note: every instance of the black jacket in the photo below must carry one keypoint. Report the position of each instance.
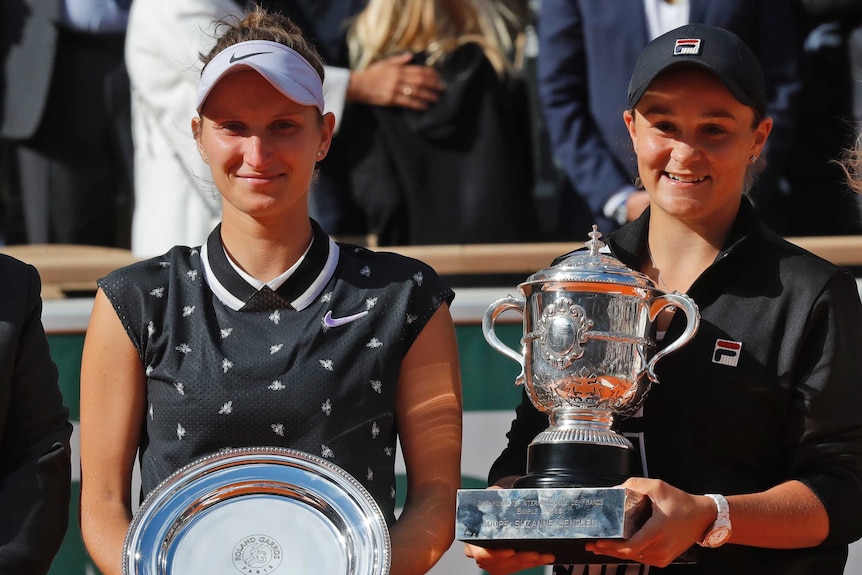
(459, 172)
(34, 430)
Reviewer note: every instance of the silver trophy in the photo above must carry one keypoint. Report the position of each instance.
(588, 358)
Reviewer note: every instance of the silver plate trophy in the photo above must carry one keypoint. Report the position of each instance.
(588, 356)
(258, 511)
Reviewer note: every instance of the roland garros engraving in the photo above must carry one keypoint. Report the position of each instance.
(257, 554)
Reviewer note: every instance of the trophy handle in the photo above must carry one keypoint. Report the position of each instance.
(488, 320)
(692, 315)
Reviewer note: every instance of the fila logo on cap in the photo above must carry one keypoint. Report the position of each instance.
(727, 352)
(686, 46)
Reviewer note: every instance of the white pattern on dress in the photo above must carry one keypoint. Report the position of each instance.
(193, 274)
(327, 364)
(151, 329)
(184, 348)
(226, 332)
(226, 364)
(326, 452)
(181, 431)
(377, 385)
(188, 310)
(276, 385)
(369, 474)
(149, 370)
(366, 271)
(158, 292)
(275, 317)
(410, 318)
(180, 387)
(326, 407)
(278, 428)
(370, 302)
(374, 343)
(151, 411)
(274, 349)
(375, 430)
(164, 264)
(226, 409)
(326, 298)
(418, 278)
(388, 451)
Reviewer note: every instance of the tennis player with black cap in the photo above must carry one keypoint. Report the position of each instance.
(751, 442)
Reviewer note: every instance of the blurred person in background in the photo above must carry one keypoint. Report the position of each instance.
(35, 468)
(818, 202)
(175, 201)
(66, 120)
(459, 171)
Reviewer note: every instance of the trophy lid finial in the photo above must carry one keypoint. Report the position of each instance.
(595, 244)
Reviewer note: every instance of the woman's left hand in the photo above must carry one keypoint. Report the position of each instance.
(678, 520)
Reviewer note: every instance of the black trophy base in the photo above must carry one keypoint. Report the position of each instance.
(552, 465)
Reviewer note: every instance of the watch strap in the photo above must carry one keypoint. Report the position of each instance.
(721, 523)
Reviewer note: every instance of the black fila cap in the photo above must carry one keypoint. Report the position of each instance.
(721, 52)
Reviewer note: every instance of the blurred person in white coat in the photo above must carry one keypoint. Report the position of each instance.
(175, 203)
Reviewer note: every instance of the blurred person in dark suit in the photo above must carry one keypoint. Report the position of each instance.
(831, 103)
(66, 119)
(35, 472)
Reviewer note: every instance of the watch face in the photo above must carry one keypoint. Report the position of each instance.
(717, 537)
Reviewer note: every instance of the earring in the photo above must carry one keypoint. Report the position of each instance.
(752, 159)
(319, 153)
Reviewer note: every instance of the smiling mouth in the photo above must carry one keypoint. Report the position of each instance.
(685, 179)
(263, 177)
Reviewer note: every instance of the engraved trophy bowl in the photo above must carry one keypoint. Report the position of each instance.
(588, 357)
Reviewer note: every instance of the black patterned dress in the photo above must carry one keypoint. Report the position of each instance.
(311, 365)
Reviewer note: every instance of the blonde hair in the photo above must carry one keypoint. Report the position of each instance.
(852, 164)
(433, 27)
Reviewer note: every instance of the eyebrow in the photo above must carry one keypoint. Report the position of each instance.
(661, 110)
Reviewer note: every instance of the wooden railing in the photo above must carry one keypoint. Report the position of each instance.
(67, 270)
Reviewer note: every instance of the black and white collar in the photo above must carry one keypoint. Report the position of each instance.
(298, 290)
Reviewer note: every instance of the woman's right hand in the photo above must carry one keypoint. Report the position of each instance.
(394, 81)
(504, 561)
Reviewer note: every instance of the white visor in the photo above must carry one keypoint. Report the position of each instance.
(283, 67)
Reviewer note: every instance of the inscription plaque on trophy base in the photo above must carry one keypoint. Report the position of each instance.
(560, 521)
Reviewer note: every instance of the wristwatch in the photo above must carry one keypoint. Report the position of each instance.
(719, 533)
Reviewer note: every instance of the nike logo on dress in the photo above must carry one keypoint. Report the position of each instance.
(330, 321)
(235, 58)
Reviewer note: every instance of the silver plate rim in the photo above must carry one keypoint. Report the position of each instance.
(186, 479)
